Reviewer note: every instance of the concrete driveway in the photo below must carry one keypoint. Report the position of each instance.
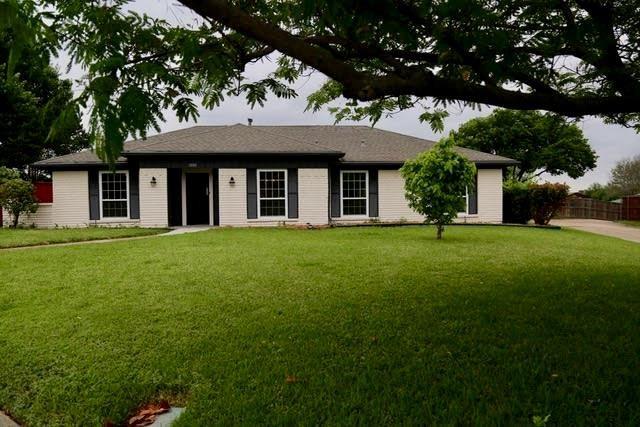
(606, 228)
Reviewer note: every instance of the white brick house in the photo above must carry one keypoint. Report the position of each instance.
(254, 175)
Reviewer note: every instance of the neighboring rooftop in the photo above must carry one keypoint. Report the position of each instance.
(353, 144)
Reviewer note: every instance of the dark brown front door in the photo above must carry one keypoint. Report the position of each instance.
(197, 198)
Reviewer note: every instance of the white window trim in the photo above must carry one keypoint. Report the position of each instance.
(112, 218)
(466, 201)
(342, 198)
(286, 195)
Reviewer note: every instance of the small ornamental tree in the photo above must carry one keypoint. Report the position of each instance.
(436, 182)
(16, 196)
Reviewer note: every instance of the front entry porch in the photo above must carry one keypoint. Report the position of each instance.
(192, 196)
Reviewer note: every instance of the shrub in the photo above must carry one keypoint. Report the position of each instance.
(436, 181)
(516, 203)
(6, 174)
(16, 196)
(546, 200)
(525, 201)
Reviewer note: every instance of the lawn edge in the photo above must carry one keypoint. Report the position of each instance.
(73, 241)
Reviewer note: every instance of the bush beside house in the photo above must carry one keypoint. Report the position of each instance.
(16, 195)
(526, 201)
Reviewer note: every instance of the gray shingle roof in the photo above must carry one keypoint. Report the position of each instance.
(365, 144)
(81, 158)
(359, 144)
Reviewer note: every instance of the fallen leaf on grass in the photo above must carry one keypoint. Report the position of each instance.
(291, 379)
(147, 414)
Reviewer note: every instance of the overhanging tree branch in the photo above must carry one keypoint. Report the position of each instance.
(366, 85)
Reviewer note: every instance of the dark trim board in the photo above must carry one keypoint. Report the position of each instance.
(174, 196)
(216, 196)
(94, 194)
(258, 162)
(82, 167)
(240, 162)
(134, 192)
(329, 154)
(373, 193)
(335, 198)
(252, 194)
(397, 165)
(292, 193)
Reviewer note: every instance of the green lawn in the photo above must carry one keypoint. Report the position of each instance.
(632, 223)
(491, 326)
(11, 238)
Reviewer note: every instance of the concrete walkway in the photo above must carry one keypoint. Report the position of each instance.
(5, 421)
(606, 228)
(173, 232)
(187, 229)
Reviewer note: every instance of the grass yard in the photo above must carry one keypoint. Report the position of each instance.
(12, 238)
(631, 223)
(491, 326)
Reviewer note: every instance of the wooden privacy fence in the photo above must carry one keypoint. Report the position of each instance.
(631, 208)
(577, 207)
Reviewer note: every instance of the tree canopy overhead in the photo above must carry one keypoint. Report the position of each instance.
(573, 57)
(31, 100)
(542, 143)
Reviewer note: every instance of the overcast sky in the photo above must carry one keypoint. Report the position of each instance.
(611, 143)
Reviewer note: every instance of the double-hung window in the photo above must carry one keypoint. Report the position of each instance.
(272, 193)
(114, 192)
(355, 193)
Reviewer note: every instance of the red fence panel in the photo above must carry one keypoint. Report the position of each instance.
(631, 208)
(44, 192)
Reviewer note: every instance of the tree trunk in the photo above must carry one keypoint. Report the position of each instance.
(440, 229)
(16, 218)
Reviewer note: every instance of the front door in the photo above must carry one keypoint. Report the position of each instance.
(197, 198)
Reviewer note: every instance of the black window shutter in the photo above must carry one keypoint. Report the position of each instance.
(252, 194)
(134, 193)
(335, 193)
(94, 194)
(373, 193)
(473, 197)
(174, 196)
(216, 197)
(292, 190)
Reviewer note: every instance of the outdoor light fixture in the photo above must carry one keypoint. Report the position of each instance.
(232, 181)
(153, 181)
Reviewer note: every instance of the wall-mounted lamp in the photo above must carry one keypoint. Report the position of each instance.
(232, 181)
(153, 181)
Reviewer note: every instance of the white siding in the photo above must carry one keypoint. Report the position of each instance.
(490, 195)
(153, 198)
(313, 196)
(233, 197)
(70, 198)
(313, 199)
(42, 218)
(392, 205)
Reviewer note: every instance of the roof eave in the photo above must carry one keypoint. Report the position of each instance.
(53, 166)
(233, 154)
(483, 163)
